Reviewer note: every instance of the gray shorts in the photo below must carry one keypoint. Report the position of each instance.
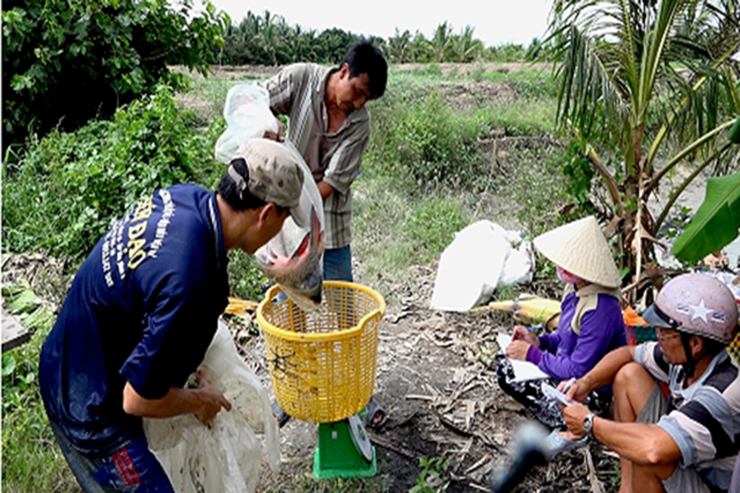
(682, 480)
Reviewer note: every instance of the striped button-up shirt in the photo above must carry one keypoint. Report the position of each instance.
(703, 418)
(299, 91)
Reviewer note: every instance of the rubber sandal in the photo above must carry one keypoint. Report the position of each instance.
(280, 416)
(556, 443)
(374, 415)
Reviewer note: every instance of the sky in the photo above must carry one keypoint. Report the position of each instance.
(496, 22)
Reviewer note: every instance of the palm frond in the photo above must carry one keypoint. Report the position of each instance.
(587, 92)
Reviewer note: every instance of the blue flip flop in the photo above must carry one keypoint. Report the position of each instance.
(556, 443)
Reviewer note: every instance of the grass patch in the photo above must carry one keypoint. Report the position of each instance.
(31, 458)
(531, 85)
(523, 117)
(424, 145)
(393, 231)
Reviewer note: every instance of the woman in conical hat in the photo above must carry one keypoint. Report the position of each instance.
(591, 319)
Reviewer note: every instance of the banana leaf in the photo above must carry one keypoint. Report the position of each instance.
(715, 223)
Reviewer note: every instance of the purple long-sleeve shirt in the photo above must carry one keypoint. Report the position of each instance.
(565, 354)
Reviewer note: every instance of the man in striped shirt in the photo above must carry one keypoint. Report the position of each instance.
(686, 441)
(330, 127)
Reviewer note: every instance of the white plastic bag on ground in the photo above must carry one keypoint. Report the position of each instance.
(247, 114)
(519, 265)
(226, 456)
(481, 257)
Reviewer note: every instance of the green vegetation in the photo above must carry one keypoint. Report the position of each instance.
(424, 144)
(432, 469)
(32, 461)
(716, 222)
(651, 81)
(67, 62)
(62, 195)
(429, 170)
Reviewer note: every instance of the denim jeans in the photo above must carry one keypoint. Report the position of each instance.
(131, 468)
(338, 264)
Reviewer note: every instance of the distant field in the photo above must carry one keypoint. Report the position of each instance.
(463, 69)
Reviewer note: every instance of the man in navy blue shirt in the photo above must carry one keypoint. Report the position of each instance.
(143, 309)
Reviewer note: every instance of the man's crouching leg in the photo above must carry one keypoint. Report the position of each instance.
(649, 478)
(131, 468)
(633, 387)
(668, 478)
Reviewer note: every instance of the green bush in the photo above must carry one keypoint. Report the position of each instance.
(424, 145)
(246, 279)
(65, 191)
(67, 62)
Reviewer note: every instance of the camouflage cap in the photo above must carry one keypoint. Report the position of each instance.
(274, 176)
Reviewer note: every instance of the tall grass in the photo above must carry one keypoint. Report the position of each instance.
(432, 168)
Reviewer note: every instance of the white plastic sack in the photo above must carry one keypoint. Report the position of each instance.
(294, 257)
(481, 257)
(226, 456)
(519, 265)
(247, 114)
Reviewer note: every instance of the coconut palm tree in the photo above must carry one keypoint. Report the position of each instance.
(271, 37)
(301, 45)
(441, 42)
(420, 48)
(464, 47)
(639, 79)
(399, 47)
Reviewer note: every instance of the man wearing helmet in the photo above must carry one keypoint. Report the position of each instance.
(689, 440)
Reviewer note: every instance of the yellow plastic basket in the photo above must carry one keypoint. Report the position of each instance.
(322, 365)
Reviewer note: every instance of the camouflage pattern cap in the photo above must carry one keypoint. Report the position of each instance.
(274, 176)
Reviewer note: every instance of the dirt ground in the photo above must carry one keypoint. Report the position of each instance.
(437, 382)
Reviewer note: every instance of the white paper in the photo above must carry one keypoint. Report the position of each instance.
(523, 370)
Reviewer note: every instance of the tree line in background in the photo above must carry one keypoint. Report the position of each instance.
(65, 63)
(269, 40)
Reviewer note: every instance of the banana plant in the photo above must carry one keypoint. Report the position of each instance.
(717, 221)
(638, 80)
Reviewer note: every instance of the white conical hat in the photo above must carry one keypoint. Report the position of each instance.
(580, 248)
